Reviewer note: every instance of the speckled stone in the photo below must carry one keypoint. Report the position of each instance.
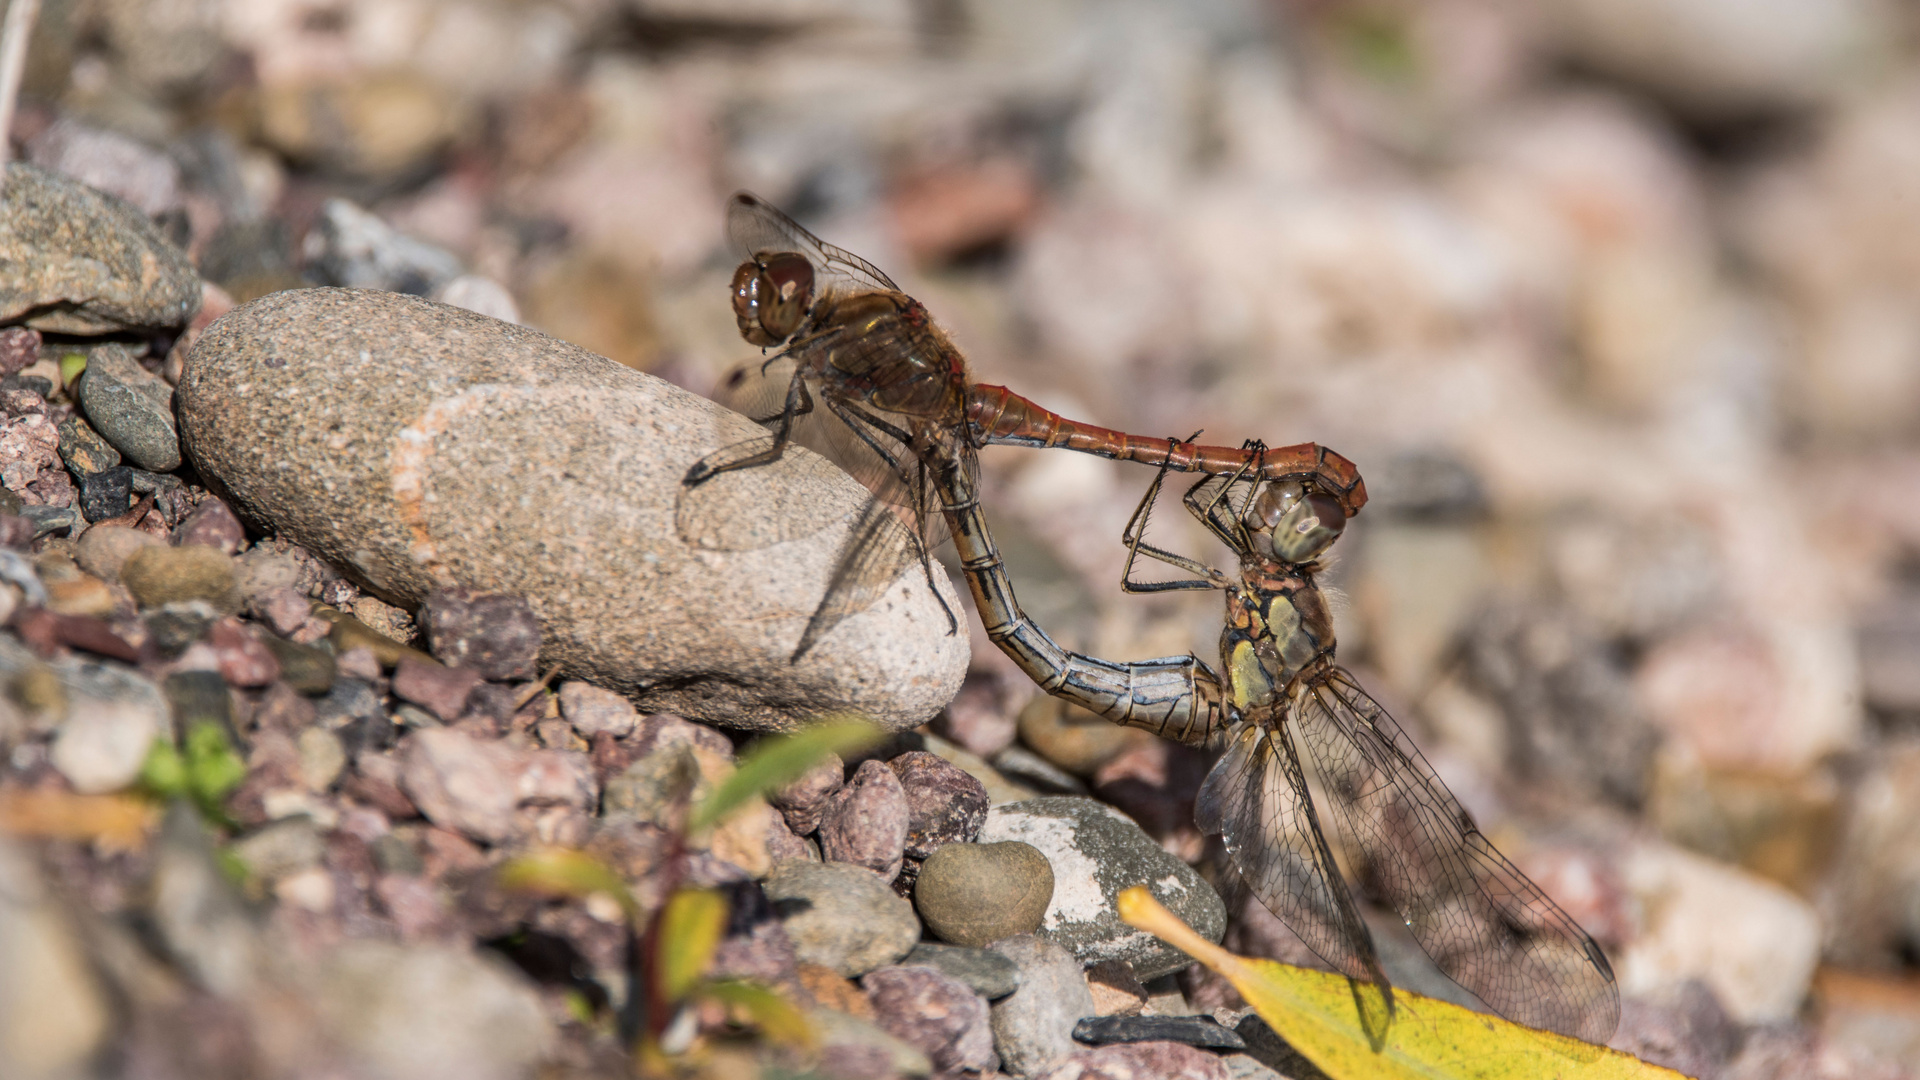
(83, 262)
(841, 916)
(1096, 852)
(425, 446)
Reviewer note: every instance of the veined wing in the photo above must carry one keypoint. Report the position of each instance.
(1256, 799)
(759, 391)
(756, 226)
(1412, 844)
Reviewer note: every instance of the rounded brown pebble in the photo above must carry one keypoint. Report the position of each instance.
(1071, 737)
(170, 575)
(975, 894)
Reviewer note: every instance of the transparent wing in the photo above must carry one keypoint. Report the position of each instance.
(1256, 799)
(1412, 845)
(755, 226)
(877, 550)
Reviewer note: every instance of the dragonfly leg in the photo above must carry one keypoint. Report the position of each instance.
(1209, 512)
(799, 403)
(1134, 537)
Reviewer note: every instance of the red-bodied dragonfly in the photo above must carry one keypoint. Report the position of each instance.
(864, 375)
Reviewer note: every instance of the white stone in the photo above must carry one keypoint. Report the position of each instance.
(103, 744)
(1752, 941)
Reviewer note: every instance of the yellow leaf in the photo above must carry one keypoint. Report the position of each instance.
(774, 1014)
(561, 872)
(690, 929)
(115, 822)
(1428, 1039)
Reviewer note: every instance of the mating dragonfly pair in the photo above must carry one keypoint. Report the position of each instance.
(888, 397)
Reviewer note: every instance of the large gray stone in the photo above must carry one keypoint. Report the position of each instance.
(1096, 852)
(423, 446)
(74, 260)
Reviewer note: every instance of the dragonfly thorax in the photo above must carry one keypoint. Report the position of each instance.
(1278, 626)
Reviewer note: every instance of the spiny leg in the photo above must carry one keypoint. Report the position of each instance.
(799, 403)
(1134, 537)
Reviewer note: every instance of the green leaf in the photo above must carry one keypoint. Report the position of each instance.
(779, 1018)
(561, 872)
(71, 366)
(213, 767)
(164, 773)
(780, 760)
(1427, 1040)
(690, 930)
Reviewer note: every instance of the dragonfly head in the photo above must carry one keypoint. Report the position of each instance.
(771, 295)
(1295, 522)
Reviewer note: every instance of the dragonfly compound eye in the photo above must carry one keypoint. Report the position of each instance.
(771, 296)
(1271, 503)
(1308, 528)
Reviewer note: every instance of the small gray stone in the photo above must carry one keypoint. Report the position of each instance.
(507, 438)
(199, 916)
(935, 1012)
(841, 916)
(281, 848)
(1023, 765)
(351, 246)
(82, 448)
(131, 407)
(865, 822)
(79, 261)
(850, 1046)
(1202, 1031)
(1096, 852)
(592, 710)
(433, 1012)
(1033, 1026)
(990, 974)
(976, 894)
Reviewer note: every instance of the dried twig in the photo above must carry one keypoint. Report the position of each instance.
(13, 63)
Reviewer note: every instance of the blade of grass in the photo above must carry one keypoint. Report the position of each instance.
(780, 760)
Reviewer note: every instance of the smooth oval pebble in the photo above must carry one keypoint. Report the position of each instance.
(172, 575)
(1096, 853)
(974, 894)
(424, 446)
